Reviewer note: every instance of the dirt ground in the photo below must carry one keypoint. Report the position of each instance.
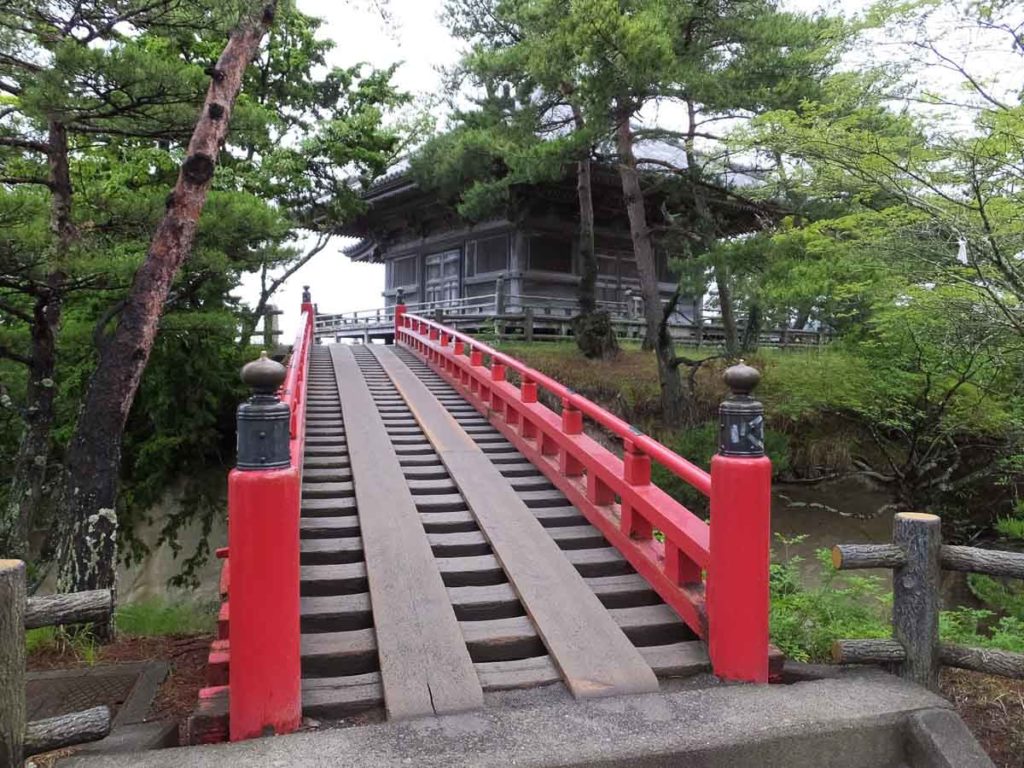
(993, 708)
(186, 655)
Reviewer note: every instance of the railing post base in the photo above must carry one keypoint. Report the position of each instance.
(265, 685)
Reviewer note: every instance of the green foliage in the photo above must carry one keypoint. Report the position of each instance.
(157, 618)
(698, 445)
(976, 628)
(805, 621)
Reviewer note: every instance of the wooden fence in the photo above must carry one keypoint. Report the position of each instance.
(19, 739)
(918, 557)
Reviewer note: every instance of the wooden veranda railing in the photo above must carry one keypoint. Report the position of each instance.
(714, 576)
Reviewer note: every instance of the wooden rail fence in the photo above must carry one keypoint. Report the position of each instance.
(917, 557)
(19, 739)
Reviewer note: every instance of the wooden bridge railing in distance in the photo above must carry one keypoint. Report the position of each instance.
(729, 606)
(19, 739)
(917, 557)
(264, 491)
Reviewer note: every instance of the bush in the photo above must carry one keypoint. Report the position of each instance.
(806, 621)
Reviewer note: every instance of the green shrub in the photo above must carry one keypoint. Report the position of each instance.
(805, 621)
(965, 626)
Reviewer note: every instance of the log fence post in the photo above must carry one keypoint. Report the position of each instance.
(12, 662)
(917, 558)
(915, 588)
(528, 324)
(18, 737)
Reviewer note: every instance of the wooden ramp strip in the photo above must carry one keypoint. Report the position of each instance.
(593, 654)
(424, 663)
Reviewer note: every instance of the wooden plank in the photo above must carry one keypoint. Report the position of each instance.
(424, 663)
(593, 654)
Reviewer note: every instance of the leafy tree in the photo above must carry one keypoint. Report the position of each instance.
(300, 133)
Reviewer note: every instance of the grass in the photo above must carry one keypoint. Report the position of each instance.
(157, 617)
(148, 618)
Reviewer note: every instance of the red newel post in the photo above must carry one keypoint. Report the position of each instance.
(264, 691)
(400, 310)
(737, 582)
(307, 301)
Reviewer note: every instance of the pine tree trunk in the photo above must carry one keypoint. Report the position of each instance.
(87, 549)
(593, 330)
(25, 493)
(26, 490)
(643, 246)
(725, 304)
(588, 255)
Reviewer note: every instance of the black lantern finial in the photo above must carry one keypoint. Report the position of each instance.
(741, 417)
(263, 420)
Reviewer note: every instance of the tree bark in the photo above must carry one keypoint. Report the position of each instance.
(26, 491)
(12, 662)
(643, 246)
(725, 304)
(593, 330)
(87, 550)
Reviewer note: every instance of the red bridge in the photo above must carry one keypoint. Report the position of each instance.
(415, 525)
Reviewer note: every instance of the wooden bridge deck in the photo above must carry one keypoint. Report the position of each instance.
(438, 564)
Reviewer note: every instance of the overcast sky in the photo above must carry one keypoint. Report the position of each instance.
(414, 37)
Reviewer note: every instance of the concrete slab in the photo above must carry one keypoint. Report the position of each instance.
(857, 720)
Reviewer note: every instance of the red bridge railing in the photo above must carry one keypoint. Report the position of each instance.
(715, 576)
(264, 491)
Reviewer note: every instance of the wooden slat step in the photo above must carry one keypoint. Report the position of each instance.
(502, 639)
(323, 580)
(324, 462)
(328, 527)
(324, 653)
(447, 502)
(341, 697)
(331, 507)
(436, 487)
(324, 450)
(675, 660)
(327, 490)
(459, 544)
(530, 672)
(327, 475)
(335, 613)
(331, 551)
(437, 472)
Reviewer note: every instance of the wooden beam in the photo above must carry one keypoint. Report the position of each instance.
(67, 730)
(987, 561)
(425, 665)
(70, 608)
(847, 557)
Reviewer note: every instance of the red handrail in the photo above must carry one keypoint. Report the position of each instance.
(673, 462)
(293, 391)
(714, 576)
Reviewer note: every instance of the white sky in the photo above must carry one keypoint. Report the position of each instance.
(414, 37)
